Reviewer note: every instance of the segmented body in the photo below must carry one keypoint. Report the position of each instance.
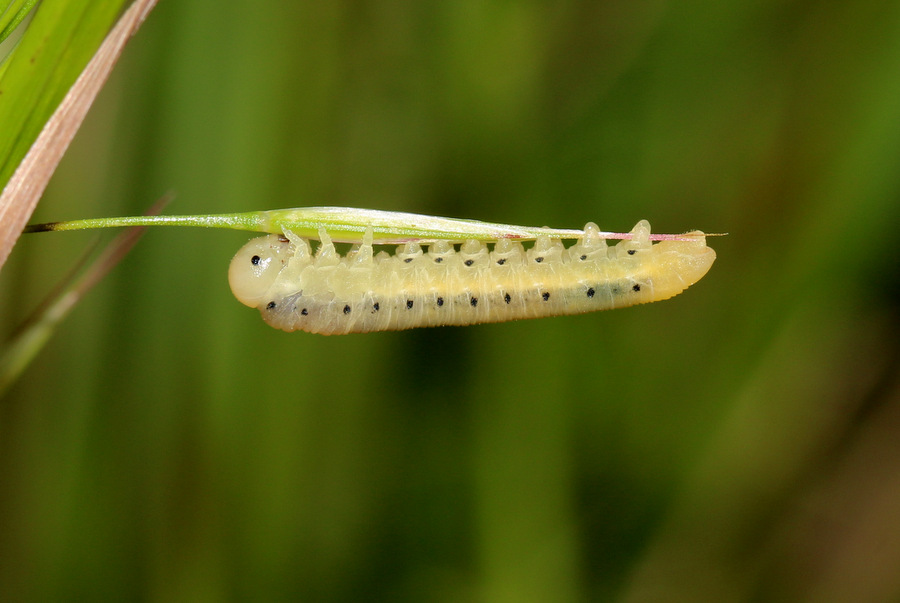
(362, 292)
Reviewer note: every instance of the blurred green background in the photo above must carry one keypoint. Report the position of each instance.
(737, 443)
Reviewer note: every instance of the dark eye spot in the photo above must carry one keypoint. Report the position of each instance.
(507, 298)
(440, 301)
(632, 251)
(545, 295)
(347, 309)
(539, 260)
(500, 262)
(438, 260)
(304, 312)
(582, 258)
(591, 292)
(255, 260)
(376, 306)
(636, 288)
(407, 260)
(469, 262)
(474, 301)
(409, 304)
(270, 305)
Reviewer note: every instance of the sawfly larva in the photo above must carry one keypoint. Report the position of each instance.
(362, 292)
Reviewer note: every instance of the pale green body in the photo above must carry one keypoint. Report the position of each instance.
(362, 292)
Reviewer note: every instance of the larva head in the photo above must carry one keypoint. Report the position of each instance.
(256, 266)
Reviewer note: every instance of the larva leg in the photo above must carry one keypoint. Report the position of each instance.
(546, 250)
(296, 264)
(508, 252)
(294, 239)
(590, 247)
(366, 251)
(301, 246)
(362, 254)
(639, 242)
(408, 253)
(326, 255)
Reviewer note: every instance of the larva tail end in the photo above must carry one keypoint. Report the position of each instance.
(680, 264)
(698, 258)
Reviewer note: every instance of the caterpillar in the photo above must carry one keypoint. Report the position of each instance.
(362, 292)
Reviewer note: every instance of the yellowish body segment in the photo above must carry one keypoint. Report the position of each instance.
(362, 292)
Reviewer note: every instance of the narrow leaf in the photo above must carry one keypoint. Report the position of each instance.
(21, 194)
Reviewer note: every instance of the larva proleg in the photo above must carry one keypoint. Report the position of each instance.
(363, 292)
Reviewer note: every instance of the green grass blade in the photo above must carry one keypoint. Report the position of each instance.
(53, 51)
(34, 147)
(345, 225)
(13, 15)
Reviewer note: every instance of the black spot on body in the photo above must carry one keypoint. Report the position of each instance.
(474, 301)
(304, 312)
(270, 305)
(347, 309)
(409, 304)
(255, 260)
(539, 259)
(545, 295)
(469, 262)
(440, 301)
(636, 288)
(408, 260)
(632, 251)
(501, 261)
(376, 306)
(583, 258)
(590, 292)
(507, 298)
(438, 260)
